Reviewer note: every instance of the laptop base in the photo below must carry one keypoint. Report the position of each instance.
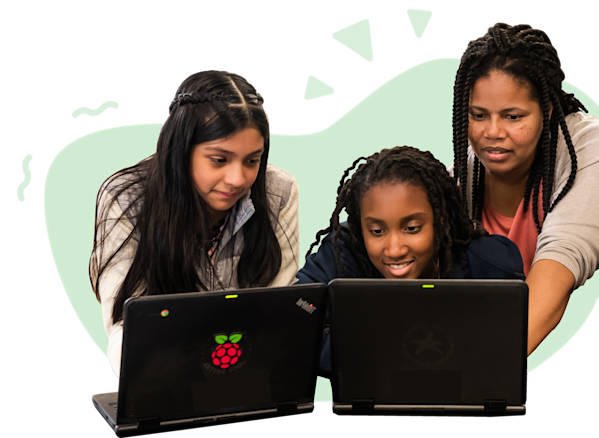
(106, 404)
(364, 408)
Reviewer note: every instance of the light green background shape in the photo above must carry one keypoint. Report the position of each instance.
(419, 20)
(414, 108)
(316, 88)
(357, 38)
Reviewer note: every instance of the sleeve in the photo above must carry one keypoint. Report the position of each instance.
(321, 266)
(287, 233)
(113, 230)
(570, 233)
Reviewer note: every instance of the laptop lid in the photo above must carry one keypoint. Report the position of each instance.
(207, 355)
(436, 346)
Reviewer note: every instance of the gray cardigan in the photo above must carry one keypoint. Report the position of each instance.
(282, 193)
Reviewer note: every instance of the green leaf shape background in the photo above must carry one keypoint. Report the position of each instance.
(221, 339)
(235, 338)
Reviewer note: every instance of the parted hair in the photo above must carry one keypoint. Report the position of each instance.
(526, 55)
(453, 229)
(171, 223)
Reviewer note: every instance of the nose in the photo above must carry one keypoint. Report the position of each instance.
(495, 128)
(235, 175)
(396, 246)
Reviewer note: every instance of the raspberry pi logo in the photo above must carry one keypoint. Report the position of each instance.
(225, 353)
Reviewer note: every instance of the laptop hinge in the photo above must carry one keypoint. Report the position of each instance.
(287, 407)
(362, 404)
(495, 405)
(148, 423)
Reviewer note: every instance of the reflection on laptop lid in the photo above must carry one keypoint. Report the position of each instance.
(216, 357)
(428, 347)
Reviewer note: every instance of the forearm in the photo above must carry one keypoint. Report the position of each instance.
(549, 284)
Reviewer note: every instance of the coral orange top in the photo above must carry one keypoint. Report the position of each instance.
(520, 229)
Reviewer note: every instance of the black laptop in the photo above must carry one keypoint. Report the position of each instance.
(429, 347)
(208, 358)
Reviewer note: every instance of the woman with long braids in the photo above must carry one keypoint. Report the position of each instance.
(525, 158)
(405, 219)
(205, 212)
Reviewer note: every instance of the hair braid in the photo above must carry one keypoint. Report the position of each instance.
(571, 151)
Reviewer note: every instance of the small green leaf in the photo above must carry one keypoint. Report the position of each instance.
(221, 339)
(235, 338)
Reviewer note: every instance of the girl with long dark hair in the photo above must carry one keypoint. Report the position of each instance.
(205, 212)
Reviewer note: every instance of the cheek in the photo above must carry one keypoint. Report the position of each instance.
(371, 247)
(426, 243)
(251, 176)
(474, 133)
(526, 137)
(204, 179)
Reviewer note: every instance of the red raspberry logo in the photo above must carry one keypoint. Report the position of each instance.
(227, 353)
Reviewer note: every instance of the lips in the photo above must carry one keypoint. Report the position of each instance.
(495, 150)
(399, 269)
(496, 155)
(399, 263)
(227, 195)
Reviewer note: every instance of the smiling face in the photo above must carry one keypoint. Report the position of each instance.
(224, 170)
(505, 125)
(397, 227)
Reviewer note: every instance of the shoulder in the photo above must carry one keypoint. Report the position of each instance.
(125, 189)
(278, 180)
(584, 132)
(329, 237)
(280, 187)
(492, 257)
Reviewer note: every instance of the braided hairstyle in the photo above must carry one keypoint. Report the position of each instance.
(526, 55)
(171, 221)
(401, 165)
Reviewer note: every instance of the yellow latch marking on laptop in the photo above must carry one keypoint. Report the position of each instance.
(230, 296)
(428, 286)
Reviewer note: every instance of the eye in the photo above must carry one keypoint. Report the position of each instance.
(413, 229)
(218, 160)
(253, 161)
(477, 116)
(512, 117)
(376, 232)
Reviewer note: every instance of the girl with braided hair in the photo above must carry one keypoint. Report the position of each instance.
(205, 212)
(525, 158)
(405, 219)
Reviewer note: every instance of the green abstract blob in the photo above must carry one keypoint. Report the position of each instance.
(95, 112)
(348, 92)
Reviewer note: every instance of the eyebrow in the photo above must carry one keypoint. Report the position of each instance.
(403, 219)
(478, 108)
(230, 153)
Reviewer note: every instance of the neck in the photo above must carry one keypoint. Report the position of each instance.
(504, 194)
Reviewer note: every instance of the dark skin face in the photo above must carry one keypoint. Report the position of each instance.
(397, 227)
(504, 127)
